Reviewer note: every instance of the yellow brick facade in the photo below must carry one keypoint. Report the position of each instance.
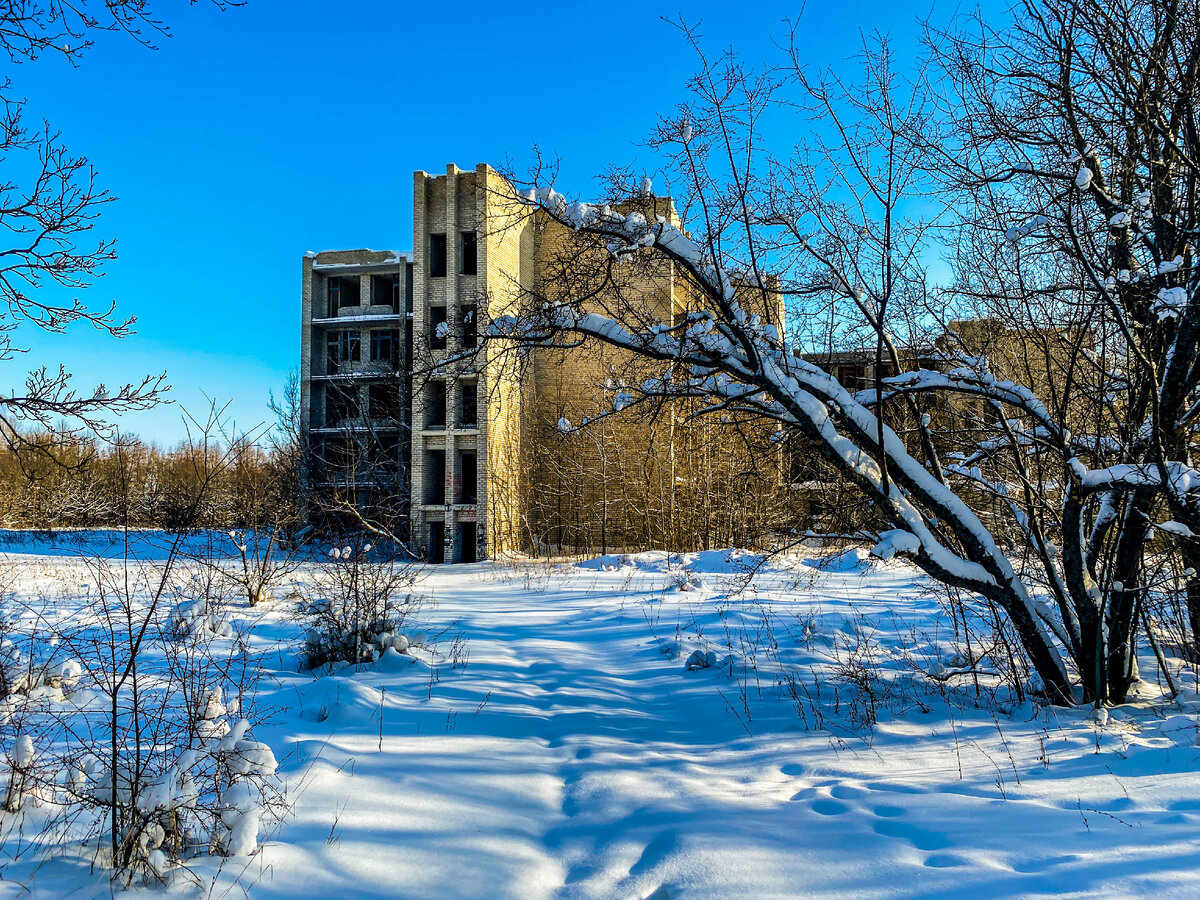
(647, 477)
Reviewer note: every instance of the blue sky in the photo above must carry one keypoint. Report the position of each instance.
(253, 135)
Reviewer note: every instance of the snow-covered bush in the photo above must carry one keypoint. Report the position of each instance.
(360, 607)
(130, 725)
(181, 801)
(20, 759)
(33, 665)
(199, 617)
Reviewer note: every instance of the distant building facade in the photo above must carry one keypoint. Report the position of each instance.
(468, 444)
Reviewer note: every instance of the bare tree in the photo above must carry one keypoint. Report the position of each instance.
(49, 204)
(1075, 167)
(1022, 457)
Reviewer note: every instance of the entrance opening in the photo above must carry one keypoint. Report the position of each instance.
(437, 542)
(466, 532)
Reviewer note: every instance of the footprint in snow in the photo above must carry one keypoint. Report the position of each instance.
(944, 861)
(894, 788)
(1176, 819)
(829, 808)
(918, 837)
(662, 846)
(846, 792)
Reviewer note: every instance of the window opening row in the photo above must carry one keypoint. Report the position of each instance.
(344, 291)
(344, 403)
(348, 455)
(346, 346)
(464, 486)
(437, 401)
(468, 254)
(439, 328)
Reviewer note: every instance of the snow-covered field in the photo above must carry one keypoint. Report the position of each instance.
(567, 751)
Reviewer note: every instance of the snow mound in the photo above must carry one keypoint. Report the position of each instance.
(725, 562)
(853, 560)
(728, 561)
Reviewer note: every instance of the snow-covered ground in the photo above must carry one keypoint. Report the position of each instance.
(567, 751)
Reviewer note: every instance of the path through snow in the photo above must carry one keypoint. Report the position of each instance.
(574, 758)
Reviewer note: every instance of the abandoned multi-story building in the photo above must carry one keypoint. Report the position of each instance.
(461, 442)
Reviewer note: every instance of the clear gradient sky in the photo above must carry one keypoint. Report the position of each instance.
(253, 135)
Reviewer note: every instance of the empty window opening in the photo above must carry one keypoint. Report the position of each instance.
(468, 404)
(384, 401)
(435, 405)
(435, 477)
(852, 378)
(342, 292)
(342, 404)
(385, 451)
(468, 257)
(438, 329)
(341, 454)
(343, 347)
(437, 256)
(333, 355)
(468, 476)
(333, 292)
(325, 453)
(470, 327)
(385, 291)
(798, 459)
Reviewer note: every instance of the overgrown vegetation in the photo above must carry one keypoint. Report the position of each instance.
(1028, 434)
(362, 600)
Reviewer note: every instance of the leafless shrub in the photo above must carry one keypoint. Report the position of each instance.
(360, 606)
(265, 559)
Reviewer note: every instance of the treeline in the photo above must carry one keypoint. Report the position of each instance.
(55, 481)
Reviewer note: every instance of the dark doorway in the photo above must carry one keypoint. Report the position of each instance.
(437, 542)
(467, 538)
